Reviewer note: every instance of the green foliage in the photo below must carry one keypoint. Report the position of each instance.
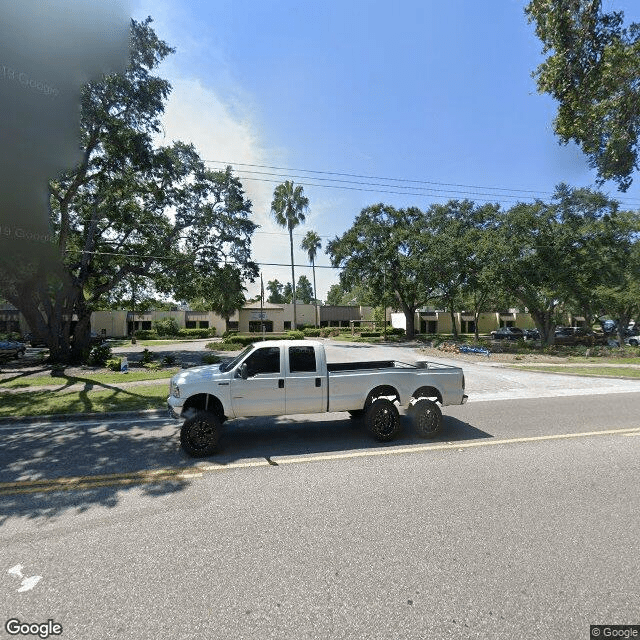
(275, 292)
(168, 360)
(147, 334)
(114, 364)
(312, 333)
(295, 335)
(131, 209)
(99, 355)
(288, 206)
(304, 290)
(211, 358)
(167, 327)
(592, 72)
(147, 357)
(386, 251)
(196, 333)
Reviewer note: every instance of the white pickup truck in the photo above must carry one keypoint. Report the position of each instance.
(288, 377)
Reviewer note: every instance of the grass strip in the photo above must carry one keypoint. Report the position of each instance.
(93, 378)
(600, 372)
(36, 403)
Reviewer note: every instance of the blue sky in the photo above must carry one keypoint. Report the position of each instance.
(439, 93)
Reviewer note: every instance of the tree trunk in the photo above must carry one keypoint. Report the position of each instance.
(293, 281)
(545, 325)
(453, 320)
(315, 291)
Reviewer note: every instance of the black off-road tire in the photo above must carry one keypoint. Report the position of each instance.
(426, 418)
(382, 420)
(200, 434)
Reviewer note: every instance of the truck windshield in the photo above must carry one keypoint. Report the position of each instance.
(227, 366)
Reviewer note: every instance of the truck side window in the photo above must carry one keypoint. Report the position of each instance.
(266, 360)
(302, 359)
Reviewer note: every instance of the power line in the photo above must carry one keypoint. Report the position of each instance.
(510, 192)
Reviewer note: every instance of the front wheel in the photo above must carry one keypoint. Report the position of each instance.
(200, 434)
(426, 418)
(383, 420)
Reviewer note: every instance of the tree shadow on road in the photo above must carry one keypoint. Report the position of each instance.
(97, 447)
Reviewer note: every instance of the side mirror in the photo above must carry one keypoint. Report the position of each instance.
(244, 374)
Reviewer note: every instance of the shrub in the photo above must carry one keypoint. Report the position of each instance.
(197, 333)
(211, 358)
(146, 334)
(99, 355)
(168, 360)
(167, 327)
(147, 357)
(294, 335)
(370, 334)
(230, 346)
(312, 332)
(114, 364)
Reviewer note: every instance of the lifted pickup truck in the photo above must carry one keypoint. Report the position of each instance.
(293, 377)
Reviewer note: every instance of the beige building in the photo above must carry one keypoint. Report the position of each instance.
(438, 321)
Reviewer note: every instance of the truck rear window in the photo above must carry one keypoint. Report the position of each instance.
(302, 359)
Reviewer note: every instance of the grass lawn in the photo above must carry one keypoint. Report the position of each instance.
(611, 371)
(19, 380)
(604, 360)
(36, 403)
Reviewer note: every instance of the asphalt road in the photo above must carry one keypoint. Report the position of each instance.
(520, 521)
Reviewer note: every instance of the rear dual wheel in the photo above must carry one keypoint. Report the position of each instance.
(426, 418)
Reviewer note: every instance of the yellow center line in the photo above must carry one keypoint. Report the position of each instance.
(185, 473)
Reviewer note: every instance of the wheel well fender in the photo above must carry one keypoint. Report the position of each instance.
(383, 391)
(427, 392)
(203, 402)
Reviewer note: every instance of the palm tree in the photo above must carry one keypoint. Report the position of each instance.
(311, 243)
(288, 206)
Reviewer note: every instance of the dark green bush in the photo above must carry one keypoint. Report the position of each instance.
(211, 358)
(147, 357)
(167, 327)
(168, 360)
(312, 332)
(99, 355)
(146, 334)
(294, 335)
(197, 333)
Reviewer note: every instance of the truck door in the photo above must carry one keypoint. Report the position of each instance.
(306, 381)
(263, 392)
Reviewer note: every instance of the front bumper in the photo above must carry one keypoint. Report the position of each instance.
(174, 409)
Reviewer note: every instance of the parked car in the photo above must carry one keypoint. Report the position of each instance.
(634, 341)
(531, 334)
(12, 349)
(578, 335)
(508, 333)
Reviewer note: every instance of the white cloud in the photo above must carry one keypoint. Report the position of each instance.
(221, 132)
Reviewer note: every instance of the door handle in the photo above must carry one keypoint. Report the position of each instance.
(281, 384)
(318, 382)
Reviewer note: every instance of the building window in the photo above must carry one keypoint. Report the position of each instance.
(232, 325)
(467, 326)
(204, 324)
(190, 324)
(287, 325)
(146, 325)
(255, 326)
